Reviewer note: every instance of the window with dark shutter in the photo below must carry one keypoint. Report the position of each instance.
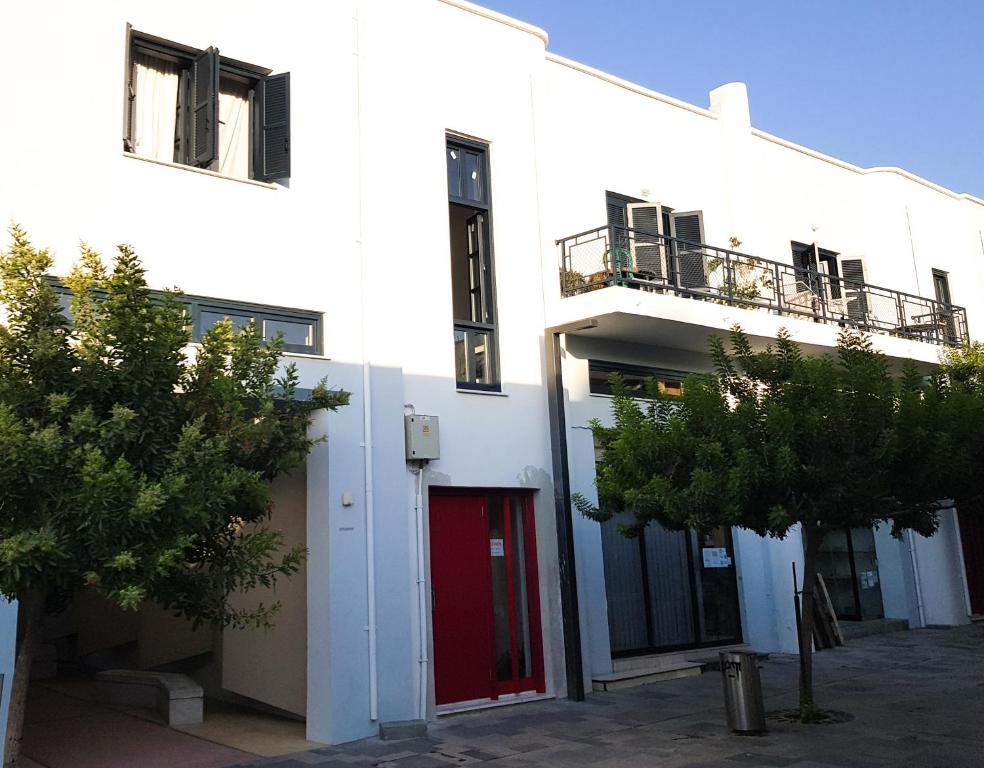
(689, 258)
(129, 92)
(272, 147)
(205, 91)
(647, 247)
(214, 97)
(852, 272)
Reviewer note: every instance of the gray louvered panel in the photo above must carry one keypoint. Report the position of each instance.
(623, 587)
(688, 227)
(645, 219)
(645, 222)
(649, 258)
(618, 237)
(616, 213)
(693, 273)
(275, 142)
(670, 586)
(205, 89)
(852, 270)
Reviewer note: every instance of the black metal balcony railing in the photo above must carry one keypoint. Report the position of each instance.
(609, 256)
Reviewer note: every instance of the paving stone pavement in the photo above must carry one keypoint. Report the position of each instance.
(916, 700)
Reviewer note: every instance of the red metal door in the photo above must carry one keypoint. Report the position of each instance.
(486, 609)
(972, 539)
(462, 598)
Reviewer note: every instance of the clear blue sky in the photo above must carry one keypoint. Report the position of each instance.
(873, 82)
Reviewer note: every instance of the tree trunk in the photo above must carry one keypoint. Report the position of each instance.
(30, 611)
(814, 538)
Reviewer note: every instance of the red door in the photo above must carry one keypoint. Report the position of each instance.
(972, 539)
(486, 610)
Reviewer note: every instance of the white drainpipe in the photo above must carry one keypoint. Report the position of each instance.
(421, 595)
(370, 519)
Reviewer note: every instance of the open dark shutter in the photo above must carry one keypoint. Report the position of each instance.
(688, 229)
(852, 272)
(645, 221)
(272, 145)
(205, 106)
(617, 236)
(129, 91)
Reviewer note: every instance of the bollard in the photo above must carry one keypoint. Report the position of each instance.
(742, 691)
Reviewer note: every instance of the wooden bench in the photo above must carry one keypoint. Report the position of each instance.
(177, 698)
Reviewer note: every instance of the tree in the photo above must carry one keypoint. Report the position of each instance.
(774, 441)
(130, 463)
(955, 400)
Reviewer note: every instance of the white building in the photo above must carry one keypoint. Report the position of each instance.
(322, 205)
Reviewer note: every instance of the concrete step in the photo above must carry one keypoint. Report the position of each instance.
(673, 658)
(854, 629)
(630, 678)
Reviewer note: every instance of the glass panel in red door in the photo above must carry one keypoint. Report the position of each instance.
(462, 598)
(516, 607)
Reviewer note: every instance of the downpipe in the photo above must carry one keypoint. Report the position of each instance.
(422, 661)
(370, 516)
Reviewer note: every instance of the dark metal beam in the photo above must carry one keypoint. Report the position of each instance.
(570, 614)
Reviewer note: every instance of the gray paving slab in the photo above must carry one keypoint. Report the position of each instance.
(916, 700)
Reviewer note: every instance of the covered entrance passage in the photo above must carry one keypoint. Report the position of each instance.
(485, 602)
(669, 590)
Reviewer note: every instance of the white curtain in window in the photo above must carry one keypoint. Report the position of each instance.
(155, 106)
(233, 128)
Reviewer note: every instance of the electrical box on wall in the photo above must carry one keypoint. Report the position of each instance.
(423, 437)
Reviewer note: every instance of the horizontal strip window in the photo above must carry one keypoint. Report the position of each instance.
(634, 376)
(301, 329)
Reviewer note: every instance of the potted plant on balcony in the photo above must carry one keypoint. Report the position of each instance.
(745, 278)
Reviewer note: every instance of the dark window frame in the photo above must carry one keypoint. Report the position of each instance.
(484, 205)
(607, 367)
(259, 313)
(251, 75)
(941, 279)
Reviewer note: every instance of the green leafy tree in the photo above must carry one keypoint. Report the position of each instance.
(955, 400)
(131, 463)
(777, 442)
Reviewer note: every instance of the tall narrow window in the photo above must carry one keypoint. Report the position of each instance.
(472, 284)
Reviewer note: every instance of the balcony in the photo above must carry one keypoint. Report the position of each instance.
(617, 256)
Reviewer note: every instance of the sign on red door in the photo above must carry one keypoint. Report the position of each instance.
(485, 600)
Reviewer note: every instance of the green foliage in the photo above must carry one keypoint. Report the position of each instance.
(771, 439)
(955, 406)
(129, 461)
(775, 439)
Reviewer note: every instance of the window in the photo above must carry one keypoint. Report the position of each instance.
(634, 376)
(660, 242)
(833, 278)
(476, 353)
(198, 108)
(301, 328)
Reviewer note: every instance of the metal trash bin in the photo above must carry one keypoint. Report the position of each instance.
(742, 691)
